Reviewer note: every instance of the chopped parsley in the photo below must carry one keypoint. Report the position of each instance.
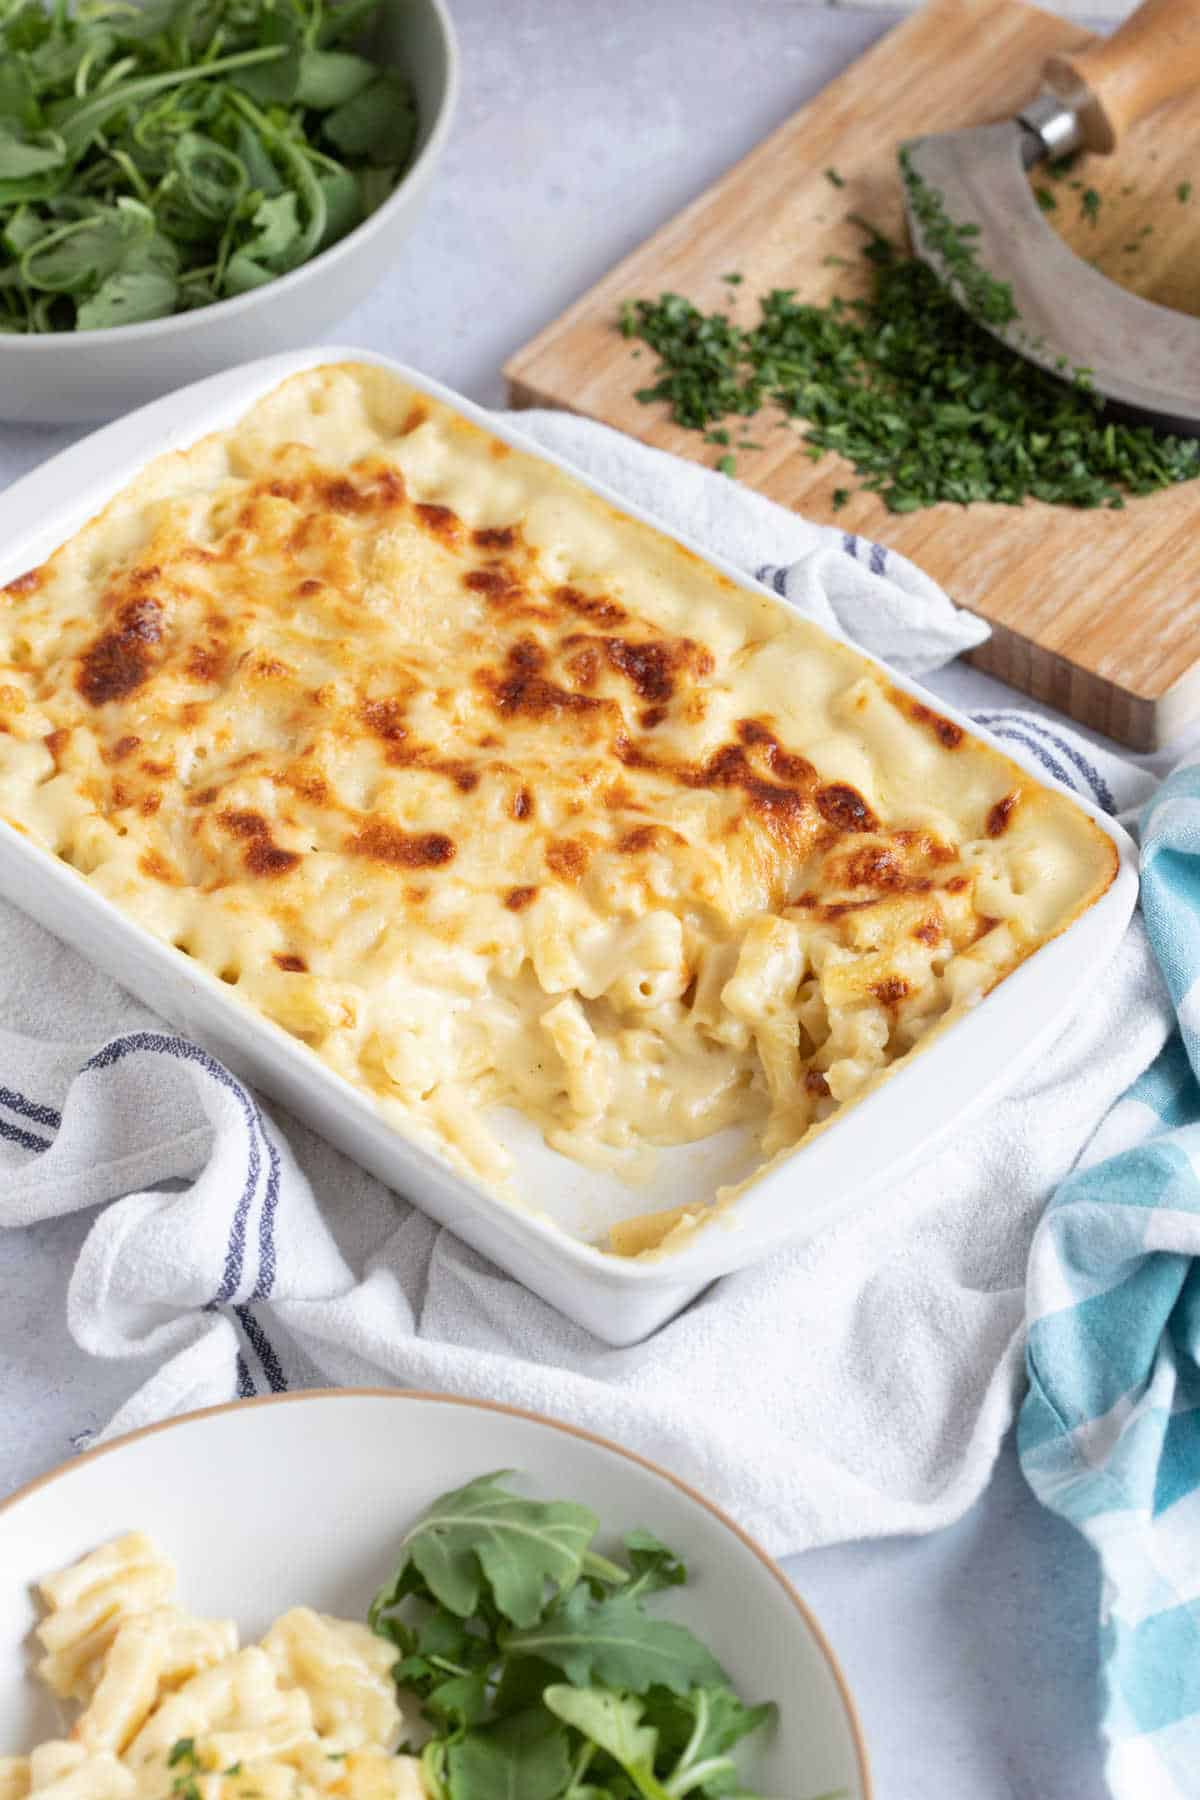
(1089, 205)
(1045, 199)
(1183, 192)
(183, 1750)
(726, 465)
(923, 403)
(834, 179)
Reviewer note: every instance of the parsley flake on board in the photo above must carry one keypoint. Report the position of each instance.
(538, 1668)
(160, 157)
(923, 403)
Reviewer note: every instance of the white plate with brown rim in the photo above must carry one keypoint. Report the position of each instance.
(303, 1498)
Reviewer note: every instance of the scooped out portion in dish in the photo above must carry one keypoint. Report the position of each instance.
(500, 799)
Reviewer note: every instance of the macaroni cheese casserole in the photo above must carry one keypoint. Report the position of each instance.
(496, 797)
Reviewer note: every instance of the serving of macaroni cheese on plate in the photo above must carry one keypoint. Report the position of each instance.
(172, 1709)
(499, 799)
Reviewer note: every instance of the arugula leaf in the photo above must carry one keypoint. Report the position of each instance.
(21, 155)
(330, 78)
(343, 204)
(481, 1534)
(342, 22)
(523, 1681)
(612, 1640)
(23, 229)
(522, 1758)
(18, 101)
(277, 228)
(446, 1636)
(697, 1735)
(261, 172)
(462, 1700)
(128, 298)
(375, 184)
(275, 83)
(654, 1566)
(614, 1723)
(77, 256)
(242, 273)
(150, 19)
(379, 122)
(32, 187)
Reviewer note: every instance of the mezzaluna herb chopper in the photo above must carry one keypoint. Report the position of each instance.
(975, 220)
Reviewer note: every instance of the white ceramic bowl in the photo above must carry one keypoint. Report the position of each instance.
(269, 1503)
(67, 377)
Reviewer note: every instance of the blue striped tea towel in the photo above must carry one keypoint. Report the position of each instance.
(1110, 1429)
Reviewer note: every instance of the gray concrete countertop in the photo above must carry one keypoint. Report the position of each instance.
(583, 126)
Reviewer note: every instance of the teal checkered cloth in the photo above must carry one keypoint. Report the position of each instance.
(1110, 1430)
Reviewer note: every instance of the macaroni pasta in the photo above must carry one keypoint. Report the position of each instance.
(172, 1709)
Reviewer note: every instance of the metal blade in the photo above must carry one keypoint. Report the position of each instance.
(1143, 357)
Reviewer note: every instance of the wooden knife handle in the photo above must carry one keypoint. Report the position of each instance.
(1152, 57)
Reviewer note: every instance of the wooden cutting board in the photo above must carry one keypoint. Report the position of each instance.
(1096, 612)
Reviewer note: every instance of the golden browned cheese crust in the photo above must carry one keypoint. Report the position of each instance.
(496, 797)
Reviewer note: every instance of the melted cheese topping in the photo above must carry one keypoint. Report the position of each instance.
(172, 1709)
(496, 797)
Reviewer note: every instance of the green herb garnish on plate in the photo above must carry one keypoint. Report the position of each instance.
(163, 156)
(539, 1668)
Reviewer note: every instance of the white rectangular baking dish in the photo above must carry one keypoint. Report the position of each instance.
(841, 1170)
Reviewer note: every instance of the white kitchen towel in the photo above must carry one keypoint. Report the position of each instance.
(860, 1385)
